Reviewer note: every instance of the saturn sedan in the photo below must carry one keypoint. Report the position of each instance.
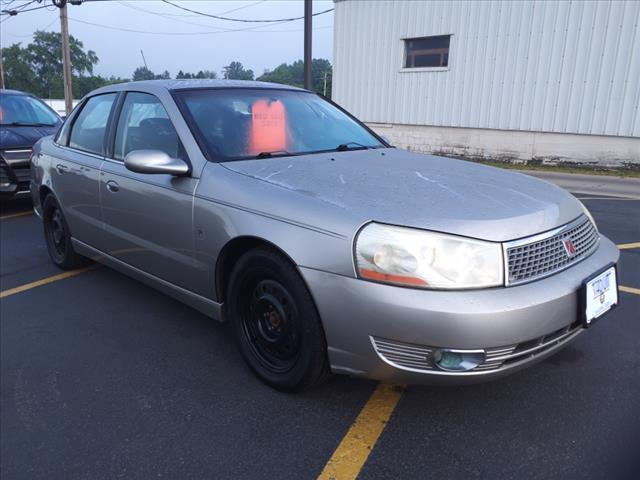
(326, 249)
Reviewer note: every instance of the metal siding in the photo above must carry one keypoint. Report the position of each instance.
(528, 65)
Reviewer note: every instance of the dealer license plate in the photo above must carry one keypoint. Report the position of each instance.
(601, 295)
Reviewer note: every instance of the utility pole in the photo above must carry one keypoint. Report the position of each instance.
(308, 10)
(144, 60)
(324, 89)
(1, 70)
(66, 56)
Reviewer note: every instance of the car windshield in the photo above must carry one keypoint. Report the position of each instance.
(24, 110)
(258, 123)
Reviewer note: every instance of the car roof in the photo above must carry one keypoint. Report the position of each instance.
(152, 86)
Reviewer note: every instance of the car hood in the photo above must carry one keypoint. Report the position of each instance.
(423, 191)
(23, 137)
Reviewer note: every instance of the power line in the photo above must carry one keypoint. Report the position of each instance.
(147, 32)
(133, 7)
(169, 15)
(14, 12)
(279, 20)
(31, 34)
(163, 15)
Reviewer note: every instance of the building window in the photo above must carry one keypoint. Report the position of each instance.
(427, 52)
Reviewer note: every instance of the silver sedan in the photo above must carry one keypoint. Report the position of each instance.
(325, 248)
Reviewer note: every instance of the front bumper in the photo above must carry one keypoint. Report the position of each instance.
(356, 312)
(15, 176)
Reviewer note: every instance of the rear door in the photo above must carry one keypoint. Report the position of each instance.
(148, 217)
(75, 168)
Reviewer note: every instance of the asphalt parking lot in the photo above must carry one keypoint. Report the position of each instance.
(103, 377)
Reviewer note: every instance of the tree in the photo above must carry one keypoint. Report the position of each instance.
(143, 73)
(45, 58)
(321, 72)
(235, 71)
(200, 74)
(84, 85)
(37, 68)
(17, 69)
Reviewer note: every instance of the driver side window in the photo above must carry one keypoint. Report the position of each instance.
(145, 125)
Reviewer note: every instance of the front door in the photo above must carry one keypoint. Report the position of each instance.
(148, 217)
(76, 168)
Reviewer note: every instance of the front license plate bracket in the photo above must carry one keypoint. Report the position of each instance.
(598, 295)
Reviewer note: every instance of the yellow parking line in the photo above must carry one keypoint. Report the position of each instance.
(350, 456)
(622, 288)
(628, 246)
(14, 215)
(44, 281)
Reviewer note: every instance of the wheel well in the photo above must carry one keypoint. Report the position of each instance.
(44, 191)
(230, 254)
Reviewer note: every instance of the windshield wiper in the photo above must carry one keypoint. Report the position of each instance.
(274, 153)
(343, 147)
(27, 124)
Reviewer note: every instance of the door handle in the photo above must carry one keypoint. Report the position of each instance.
(61, 169)
(113, 186)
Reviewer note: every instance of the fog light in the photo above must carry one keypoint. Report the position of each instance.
(458, 360)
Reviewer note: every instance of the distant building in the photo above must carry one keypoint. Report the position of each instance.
(530, 80)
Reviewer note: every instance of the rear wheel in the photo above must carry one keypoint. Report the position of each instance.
(275, 321)
(58, 238)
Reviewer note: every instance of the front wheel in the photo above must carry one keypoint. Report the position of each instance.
(275, 322)
(58, 238)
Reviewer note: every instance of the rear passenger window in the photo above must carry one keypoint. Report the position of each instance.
(88, 131)
(145, 125)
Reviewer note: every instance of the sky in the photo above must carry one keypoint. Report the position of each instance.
(180, 40)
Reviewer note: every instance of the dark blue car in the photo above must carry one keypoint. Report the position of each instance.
(24, 119)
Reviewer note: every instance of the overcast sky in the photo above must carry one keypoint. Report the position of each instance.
(186, 41)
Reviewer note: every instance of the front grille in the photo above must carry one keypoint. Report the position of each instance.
(503, 356)
(543, 255)
(16, 156)
(409, 356)
(23, 175)
(404, 355)
(5, 175)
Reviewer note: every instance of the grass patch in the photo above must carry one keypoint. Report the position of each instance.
(587, 170)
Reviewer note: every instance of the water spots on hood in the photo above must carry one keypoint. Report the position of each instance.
(441, 185)
(423, 191)
(273, 174)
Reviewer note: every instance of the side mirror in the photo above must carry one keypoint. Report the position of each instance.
(155, 162)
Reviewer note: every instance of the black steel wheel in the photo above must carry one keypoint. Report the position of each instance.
(58, 238)
(276, 323)
(270, 324)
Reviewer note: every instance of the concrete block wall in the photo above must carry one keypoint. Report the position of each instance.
(515, 146)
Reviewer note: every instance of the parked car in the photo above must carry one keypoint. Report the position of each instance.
(24, 119)
(327, 249)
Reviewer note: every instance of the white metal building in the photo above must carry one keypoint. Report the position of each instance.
(532, 80)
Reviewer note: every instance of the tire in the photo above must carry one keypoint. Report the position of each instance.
(275, 321)
(58, 237)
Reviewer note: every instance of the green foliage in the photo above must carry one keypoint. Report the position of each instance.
(293, 74)
(142, 73)
(235, 71)
(37, 68)
(17, 69)
(201, 74)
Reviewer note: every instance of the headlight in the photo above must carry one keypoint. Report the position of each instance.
(417, 258)
(588, 214)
